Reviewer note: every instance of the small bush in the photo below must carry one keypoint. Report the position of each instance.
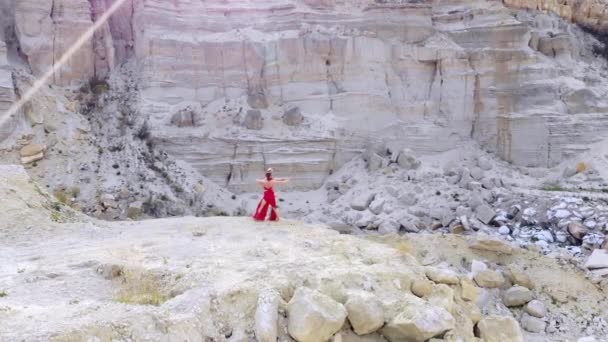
(55, 216)
(75, 191)
(56, 206)
(581, 167)
(3, 294)
(61, 196)
(99, 86)
(553, 187)
(141, 289)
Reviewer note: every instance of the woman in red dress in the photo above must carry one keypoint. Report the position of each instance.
(269, 199)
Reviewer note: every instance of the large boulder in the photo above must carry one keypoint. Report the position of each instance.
(266, 316)
(518, 276)
(361, 202)
(253, 120)
(293, 117)
(485, 213)
(422, 287)
(532, 324)
(597, 260)
(491, 244)
(408, 160)
(536, 308)
(442, 275)
(489, 279)
(499, 329)
(419, 321)
(186, 117)
(577, 230)
(32, 152)
(468, 291)
(517, 296)
(365, 313)
(313, 316)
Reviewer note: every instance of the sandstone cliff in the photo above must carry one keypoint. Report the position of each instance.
(589, 13)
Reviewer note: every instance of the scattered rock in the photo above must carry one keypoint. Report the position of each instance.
(186, 117)
(442, 296)
(293, 117)
(485, 213)
(375, 162)
(477, 173)
(532, 324)
(376, 206)
(442, 275)
(536, 308)
(362, 201)
(365, 313)
(577, 230)
(253, 120)
(314, 316)
(484, 163)
(407, 160)
(491, 244)
(266, 316)
(135, 210)
(468, 290)
(422, 287)
(499, 329)
(31, 159)
(597, 260)
(519, 277)
(389, 227)
(419, 321)
(408, 199)
(517, 296)
(32, 149)
(489, 279)
(32, 152)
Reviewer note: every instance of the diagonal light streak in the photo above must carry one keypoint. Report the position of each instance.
(88, 34)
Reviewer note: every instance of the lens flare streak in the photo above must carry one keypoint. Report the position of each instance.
(88, 34)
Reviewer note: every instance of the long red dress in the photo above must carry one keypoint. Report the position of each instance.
(270, 202)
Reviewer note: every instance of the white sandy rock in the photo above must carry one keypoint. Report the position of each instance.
(422, 287)
(365, 313)
(313, 316)
(442, 275)
(517, 296)
(442, 296)
(376, 205)
(407, 160)
(499, 329)
(489, 279)
(266, 316)
(388, 227)
(597, 260)
(362, 201)
(418, 322)
(485, 213)
(532, 324)
(536, 308)
(491, 244)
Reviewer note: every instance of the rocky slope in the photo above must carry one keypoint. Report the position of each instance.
(72, 278)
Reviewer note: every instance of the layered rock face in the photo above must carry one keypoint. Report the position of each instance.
(219, 80)
(589, 13)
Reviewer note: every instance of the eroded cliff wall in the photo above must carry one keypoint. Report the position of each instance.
(235, 86)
